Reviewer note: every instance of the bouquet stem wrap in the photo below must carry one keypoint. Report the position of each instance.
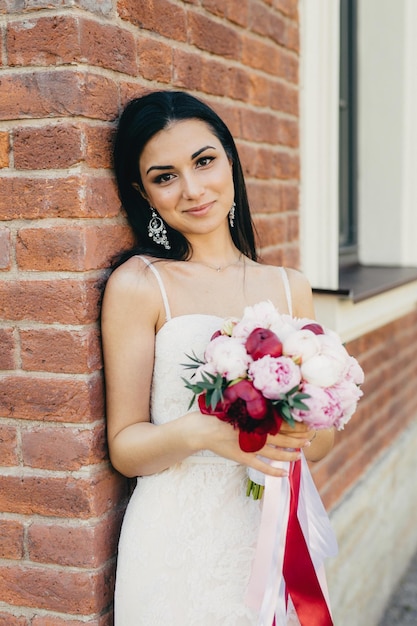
(295, 537)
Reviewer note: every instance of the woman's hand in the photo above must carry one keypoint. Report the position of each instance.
(223, 439)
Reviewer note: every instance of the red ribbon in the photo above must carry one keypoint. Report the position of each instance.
(299, 574)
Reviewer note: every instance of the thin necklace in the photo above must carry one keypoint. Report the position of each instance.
(220, 268)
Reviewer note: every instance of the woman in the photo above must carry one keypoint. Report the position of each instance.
(189, 532)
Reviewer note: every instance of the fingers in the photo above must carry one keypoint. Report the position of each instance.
(275, 453)
(275, 468)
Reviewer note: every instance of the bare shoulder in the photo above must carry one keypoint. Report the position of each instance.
(301, 293)
(132, 290)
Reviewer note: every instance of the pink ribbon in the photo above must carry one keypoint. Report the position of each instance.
(283, 567)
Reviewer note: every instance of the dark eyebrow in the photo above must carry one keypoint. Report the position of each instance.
(193, 156)
(171, 167)
(160, 167)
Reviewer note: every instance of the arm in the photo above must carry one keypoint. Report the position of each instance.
(130, 315)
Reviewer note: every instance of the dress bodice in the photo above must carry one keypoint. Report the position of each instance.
(178, 337)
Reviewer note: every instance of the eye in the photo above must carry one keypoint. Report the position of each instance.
(204, 161)
(163, 178)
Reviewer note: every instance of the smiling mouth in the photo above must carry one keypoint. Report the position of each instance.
(200, 210)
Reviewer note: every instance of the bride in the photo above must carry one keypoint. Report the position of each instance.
(189, 533)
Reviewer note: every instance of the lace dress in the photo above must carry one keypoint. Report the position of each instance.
(189, 534)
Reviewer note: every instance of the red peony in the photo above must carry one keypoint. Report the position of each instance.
(245, 408)
(315, 328)
(262, 342)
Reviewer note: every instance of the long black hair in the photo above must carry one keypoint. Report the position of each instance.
(141, 119)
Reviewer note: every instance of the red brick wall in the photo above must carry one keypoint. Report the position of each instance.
(66, 73)
(388, 406)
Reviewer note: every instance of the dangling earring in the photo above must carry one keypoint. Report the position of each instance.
(156, 230)
(232, 215)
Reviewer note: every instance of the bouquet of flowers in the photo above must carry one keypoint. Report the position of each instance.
(266, 368)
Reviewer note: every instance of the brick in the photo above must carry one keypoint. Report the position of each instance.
(60, 92)
(27, 198)
(260, 88)
(46, 41)
(7, 619)
(272, 256)
(271, 229)
(230, 114)
(84, 546)
(293, 37)
(51, 399)
(216, 77)
(130, 89)
(155, 60)
(273, 197)
(101, 197)
(284, 98)
(267, 127)
(236, 11)
(99, 146)
(293, 228)
(264, 163)
(99, 7)
(71, 592)
(287, 7)
(187, 70)
(4, 149)
(65, 301)
(58, 448)
(261, 55)
(9, 446)
(109, 46)
(217, 7)
(72, 498)
(60, 350)
(267, 23)
(11, 540)
(240, 84)
(214, 37)
(169, 20)
(47, 147)
(5, 256)
(265, 56)
(291, 256)
(70, 248)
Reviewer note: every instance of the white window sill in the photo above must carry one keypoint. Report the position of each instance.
(353, 314)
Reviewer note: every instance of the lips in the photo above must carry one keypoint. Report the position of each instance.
(203, 209)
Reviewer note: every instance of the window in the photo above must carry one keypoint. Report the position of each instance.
(348, 216)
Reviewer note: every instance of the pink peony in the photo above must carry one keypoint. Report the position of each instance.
(227, 357)
(355, 372)
(325, 407)
(274, 376)
(261, 315)
(348, 393)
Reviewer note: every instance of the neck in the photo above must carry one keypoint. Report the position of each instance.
(218, 267)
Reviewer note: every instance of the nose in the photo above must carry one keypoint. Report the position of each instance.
(191, 186)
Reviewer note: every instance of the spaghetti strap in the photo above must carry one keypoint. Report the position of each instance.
(161, 286)
(287, 288)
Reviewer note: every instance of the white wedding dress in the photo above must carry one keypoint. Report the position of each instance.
(189, 534)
